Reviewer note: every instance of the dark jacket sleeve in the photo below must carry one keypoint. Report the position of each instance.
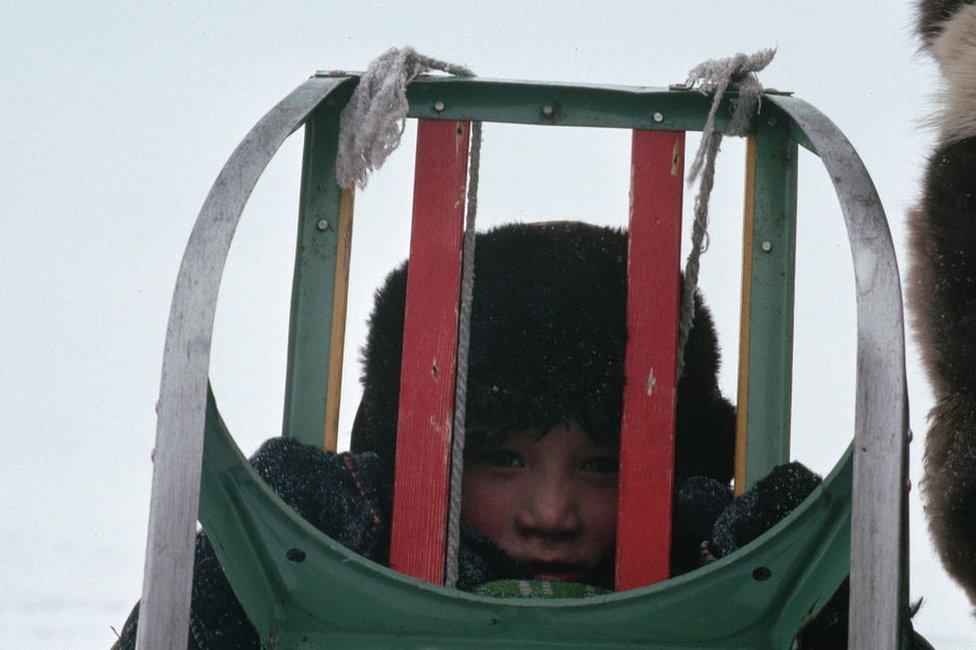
(347, 496)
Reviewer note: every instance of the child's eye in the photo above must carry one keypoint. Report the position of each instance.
(502, 458)
(601, 465)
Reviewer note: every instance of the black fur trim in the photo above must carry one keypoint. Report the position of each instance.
(942, 296)
(548, 330)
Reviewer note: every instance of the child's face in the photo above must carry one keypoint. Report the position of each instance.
(550, 502)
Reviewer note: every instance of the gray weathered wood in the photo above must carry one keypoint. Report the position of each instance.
(881, 415)
(164, 613)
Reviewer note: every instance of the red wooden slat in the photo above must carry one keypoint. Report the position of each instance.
(653, 298)
(428, 367)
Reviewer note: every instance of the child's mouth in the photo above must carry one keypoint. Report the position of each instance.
(560, 572)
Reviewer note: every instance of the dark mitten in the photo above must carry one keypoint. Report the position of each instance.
(698, 502)
(761, 507)
(345, 496)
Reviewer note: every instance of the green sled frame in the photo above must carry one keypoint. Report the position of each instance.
(327, 596)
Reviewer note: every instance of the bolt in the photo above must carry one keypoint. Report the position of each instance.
(767, 246)
(658, 117)
(439, 107)
(548, 110)
(910, 435)
(908, 485)
(322, 224)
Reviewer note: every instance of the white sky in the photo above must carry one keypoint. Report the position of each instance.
(115, 119)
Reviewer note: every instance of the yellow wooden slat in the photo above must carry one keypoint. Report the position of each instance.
(339, 301)
(742, 393)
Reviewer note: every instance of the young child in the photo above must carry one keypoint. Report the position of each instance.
(545, 381)
(548, 330)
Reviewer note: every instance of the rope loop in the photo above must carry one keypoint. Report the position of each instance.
(373, 120)
(715, 77)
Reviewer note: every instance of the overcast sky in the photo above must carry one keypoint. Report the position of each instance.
(116, 117)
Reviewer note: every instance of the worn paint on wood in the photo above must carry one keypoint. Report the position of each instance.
(650, 394)
(315, 279)
(167, 578)
(340, 295)
(771, 254)
(429, 351)
(745, 317)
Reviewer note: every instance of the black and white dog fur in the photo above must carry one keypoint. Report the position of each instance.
(942, 289)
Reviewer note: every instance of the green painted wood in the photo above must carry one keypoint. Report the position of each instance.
(335, 598)
(491, 100)
(310, 327)
(771, 315)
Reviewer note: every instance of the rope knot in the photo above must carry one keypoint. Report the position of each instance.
(715, 77)
(376, 115)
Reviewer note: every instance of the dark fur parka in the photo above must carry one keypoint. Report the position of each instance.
(942, 290)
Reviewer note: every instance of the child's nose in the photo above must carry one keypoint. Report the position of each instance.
(550, 507)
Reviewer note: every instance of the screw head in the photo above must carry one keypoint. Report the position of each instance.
(439, 107)
(322, 224)
(548, 110)
(767, 246)
(658, 117)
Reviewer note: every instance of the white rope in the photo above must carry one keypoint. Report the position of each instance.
(461, 382)
(370, 129)
(373, 120)
(715, 77)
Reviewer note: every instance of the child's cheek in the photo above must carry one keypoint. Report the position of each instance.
(488, 503)
(601, 509)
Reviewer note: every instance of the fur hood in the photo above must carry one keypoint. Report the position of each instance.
(548, 330)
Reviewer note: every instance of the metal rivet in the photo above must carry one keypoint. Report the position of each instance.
(910, 435)
(767, 246)
(322, 224)
(439, 107)
(658, 117)
(548, 110)
(908, 485)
